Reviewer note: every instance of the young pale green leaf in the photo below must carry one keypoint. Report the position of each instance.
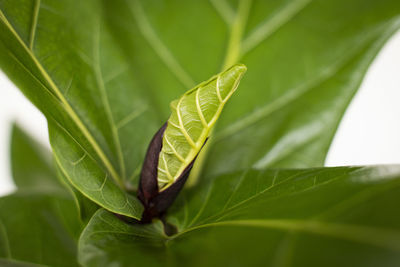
(193, 116)
(308, 217)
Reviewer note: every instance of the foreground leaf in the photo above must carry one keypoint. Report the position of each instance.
(33, 170)
(38, 228)
(263, 218)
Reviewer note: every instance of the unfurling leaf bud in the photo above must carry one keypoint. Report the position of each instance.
(174, 148)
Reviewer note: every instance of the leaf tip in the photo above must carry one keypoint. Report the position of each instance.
(239, 68)
(229, 80)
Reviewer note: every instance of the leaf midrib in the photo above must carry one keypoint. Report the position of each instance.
(150, 35)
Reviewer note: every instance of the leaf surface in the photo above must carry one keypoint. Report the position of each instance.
(38, 228)
(82, 84)
(33, 170)
(192, 118)
(264, 218)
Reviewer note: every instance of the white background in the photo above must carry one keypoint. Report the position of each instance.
(368, 134)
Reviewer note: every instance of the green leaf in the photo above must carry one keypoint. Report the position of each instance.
(126, 245)
(193, 116)
(38, 228)
(81, 82)
(33, 170)
(31, 163)
(86, 207)
(263, 218)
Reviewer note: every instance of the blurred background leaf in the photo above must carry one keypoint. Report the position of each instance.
(38, 228)
(80, 81)
(39, 222)
(31, 163)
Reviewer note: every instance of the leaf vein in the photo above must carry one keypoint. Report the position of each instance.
(224, 10)
(283, 16)
(104, 99)
(174, 150)
(158, 46)
(203, 120)
(35, 17)
(182, 128)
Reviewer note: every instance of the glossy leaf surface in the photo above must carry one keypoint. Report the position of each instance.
(80, 81)
(312, 217)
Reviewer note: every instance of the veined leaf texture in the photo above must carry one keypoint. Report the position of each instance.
(192, 118)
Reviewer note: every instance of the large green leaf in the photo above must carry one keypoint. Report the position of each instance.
(311, 217)
(101, 70)
(81, 83)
